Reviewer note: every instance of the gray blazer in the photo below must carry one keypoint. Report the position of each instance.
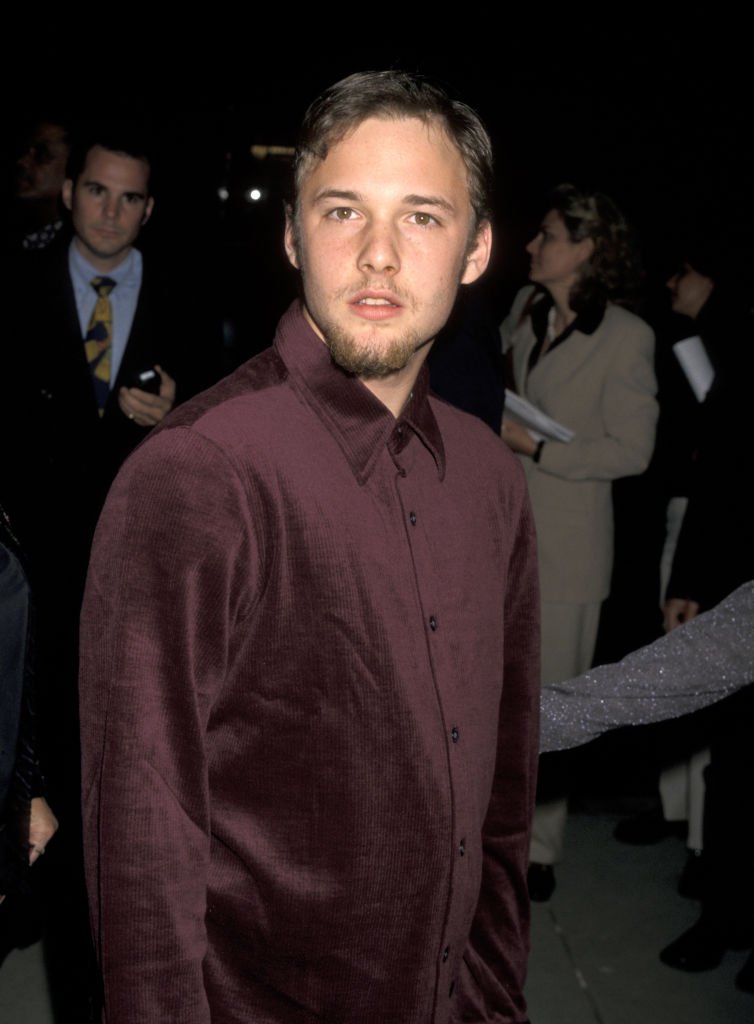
(602, 386)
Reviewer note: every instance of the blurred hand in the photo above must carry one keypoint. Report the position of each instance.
(42, 827)
(677, 611)
(144, 408)
(517, 437)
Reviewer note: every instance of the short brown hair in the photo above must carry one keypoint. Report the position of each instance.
(396, 94)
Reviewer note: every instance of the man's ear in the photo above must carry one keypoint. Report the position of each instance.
(67, 193)
(147, 210)
(291, 236)
(479, 256)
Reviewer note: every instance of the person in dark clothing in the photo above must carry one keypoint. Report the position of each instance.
(714, 555)
(715, 551)
(26, 821)
(465, 365)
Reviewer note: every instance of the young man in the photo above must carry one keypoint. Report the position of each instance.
(309, 686)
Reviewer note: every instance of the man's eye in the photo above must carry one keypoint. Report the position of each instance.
(342, 213)
(424, 220)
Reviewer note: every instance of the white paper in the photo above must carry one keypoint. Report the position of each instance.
(540, 426)
(695, 363)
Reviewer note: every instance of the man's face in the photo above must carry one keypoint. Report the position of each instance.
(41, 169)
(109, 203)
(382, 241)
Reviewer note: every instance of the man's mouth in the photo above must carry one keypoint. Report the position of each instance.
(375, 307)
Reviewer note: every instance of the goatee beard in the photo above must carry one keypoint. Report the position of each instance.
(370, 363)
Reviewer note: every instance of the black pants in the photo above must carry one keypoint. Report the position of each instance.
(728, 900)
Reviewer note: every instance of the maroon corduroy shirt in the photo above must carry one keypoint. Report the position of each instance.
(309, 700)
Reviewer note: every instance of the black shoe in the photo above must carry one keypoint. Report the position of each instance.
(647, 828)
(745, 977)
(540, 879)
(698, 949)
(691, 882)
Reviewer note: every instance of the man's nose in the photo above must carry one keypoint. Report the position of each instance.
(111, 207)
(380, 249)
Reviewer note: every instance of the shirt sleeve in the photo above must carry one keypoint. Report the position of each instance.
(628, 412)
(492, 975)
(694, 666)
(164, 586)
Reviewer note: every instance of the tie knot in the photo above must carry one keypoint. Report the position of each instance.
(103, 285)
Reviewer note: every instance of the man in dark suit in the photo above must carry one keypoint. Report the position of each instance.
(87, 418)
(96, 356)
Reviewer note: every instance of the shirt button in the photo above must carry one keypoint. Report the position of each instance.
(401, 472)
(433, 623)
(412, 518)
(452, 986)
(445, 953)
(462, 847)
(454, 734)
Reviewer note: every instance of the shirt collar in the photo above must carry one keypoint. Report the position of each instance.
(586, 322)
(127, 274)
(358, 421)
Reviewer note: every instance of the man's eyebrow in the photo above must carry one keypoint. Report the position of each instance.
(131, 193)
(336, 193)
(436, 201)
(410, 200)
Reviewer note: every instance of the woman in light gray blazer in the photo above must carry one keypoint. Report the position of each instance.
(581, 357)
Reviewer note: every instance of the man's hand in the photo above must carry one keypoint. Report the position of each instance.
(144, 408)
(42, 827)
(517, 437)
(677, 611)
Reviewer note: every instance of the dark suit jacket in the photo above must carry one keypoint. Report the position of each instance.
(715, 550)
(64, 456)
(59, 456)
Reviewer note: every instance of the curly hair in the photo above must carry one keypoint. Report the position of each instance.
(613, 272)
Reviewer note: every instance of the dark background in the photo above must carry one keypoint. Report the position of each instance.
(657, 115)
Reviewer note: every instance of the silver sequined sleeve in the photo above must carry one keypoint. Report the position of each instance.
(695, 665)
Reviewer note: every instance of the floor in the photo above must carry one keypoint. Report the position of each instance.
(594, 945)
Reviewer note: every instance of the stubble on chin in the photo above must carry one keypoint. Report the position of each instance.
(370, 362)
